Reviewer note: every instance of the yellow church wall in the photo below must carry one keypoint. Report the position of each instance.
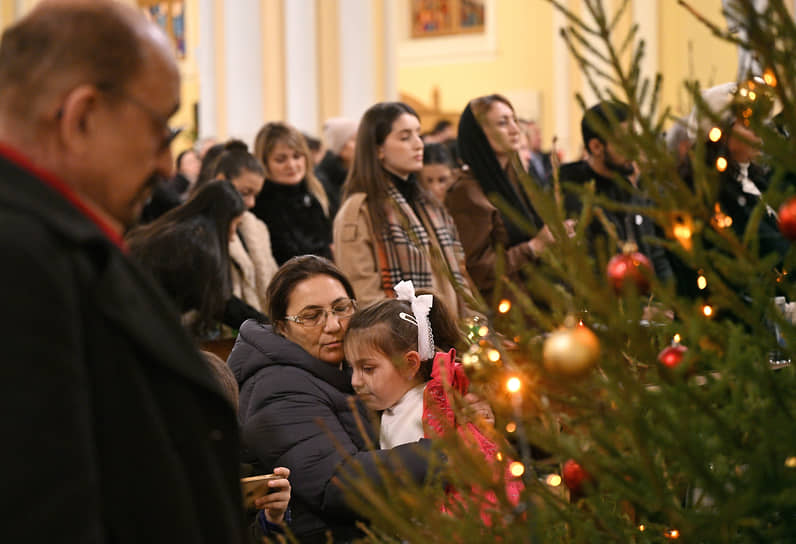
(524, 60)
(688, 50)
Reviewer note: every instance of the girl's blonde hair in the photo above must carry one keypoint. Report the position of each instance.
(273, 133)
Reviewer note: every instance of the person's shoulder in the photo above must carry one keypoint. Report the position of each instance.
(465, 189)
(577, 171)
(354, 206)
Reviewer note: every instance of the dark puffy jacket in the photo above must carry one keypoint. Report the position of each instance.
(296, 411)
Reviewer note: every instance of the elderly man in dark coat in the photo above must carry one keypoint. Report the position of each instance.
(115, 430)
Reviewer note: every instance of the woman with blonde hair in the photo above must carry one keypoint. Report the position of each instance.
(292, 202)
(389, 227)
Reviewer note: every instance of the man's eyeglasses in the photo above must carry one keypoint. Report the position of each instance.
(314, 317)
(169, 133)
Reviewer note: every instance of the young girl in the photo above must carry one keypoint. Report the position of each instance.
(437, 174)
(391, 346)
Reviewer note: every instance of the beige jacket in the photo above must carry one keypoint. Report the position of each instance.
(253, 265)
(356, 254)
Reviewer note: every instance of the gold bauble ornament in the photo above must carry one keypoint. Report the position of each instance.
(571, 351)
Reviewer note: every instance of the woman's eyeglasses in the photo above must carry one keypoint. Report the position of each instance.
(314, 317)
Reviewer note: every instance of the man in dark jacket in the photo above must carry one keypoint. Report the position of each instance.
(115, 430)
(605, 163)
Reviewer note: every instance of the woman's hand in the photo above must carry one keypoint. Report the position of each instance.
(545, 238)
(275, 502)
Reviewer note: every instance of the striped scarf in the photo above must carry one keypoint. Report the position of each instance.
(408, 252)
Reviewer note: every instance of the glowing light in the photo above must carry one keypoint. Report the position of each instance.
(517, 469)
(676, 338)
(715, 134)
(674, 534)
(493, 355)
(790, 462)
(721, 164)
(682, 232)
(511, 427)
(747, 113)
(499, 456)
(483, 330)
(553, 480)
(707, 310)
(702, 282)
(770, 78)
(642, 528)
(513, 384)
(752, 95)
(504, 306)
(743, 91)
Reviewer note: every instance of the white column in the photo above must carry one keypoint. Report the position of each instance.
(207, 70)
(357, 91)
(562, 96)
(243, 68)
(301, 65)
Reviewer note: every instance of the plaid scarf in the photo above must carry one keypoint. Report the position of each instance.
(408, 252)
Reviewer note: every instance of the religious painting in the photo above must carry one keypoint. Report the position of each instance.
(170, 16)
(431, 18)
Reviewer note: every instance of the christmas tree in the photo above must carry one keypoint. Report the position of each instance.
(635, 409)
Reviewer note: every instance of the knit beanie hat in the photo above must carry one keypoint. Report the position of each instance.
(337, 131)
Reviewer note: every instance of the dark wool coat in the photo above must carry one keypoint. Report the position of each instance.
(114, 428)
(296, 412)
(295, 220)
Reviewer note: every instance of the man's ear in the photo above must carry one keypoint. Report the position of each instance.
(279, 327)
(78, 117)
(596, 148)
(412, 363)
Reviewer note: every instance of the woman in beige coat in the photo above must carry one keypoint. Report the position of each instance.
(389, 228)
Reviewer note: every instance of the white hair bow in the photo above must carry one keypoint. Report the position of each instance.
(421, 306)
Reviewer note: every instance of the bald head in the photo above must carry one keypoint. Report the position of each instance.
(62, 43)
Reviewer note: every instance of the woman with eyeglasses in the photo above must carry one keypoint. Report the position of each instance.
(296, 404)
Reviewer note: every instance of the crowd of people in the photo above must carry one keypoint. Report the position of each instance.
(341, 273)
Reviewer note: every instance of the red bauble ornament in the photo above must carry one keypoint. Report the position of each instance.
(574, 476)
(787, 219)
(630, 268)
(672, 356)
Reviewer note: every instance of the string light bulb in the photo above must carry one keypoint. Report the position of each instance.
(642, 528)
(715, 134)
(682, 232)
(517, 469)
(790, 462)
(553, 480)
(672, 534)
(483, 331)
(707, 310)
(721, 164)
(511, 427)
(676, 338)
(504, 306)
(493, 355)
(499, 456)
(513, 384)
(702, 282)
(769, 77)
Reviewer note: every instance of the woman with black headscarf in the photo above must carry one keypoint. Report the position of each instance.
(488, 141)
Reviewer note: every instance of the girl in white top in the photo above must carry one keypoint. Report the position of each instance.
(391, 348)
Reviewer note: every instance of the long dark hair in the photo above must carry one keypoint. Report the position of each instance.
(367, 175)
(290, 274)
(477, 153)
(385, 330)
(187, 251)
